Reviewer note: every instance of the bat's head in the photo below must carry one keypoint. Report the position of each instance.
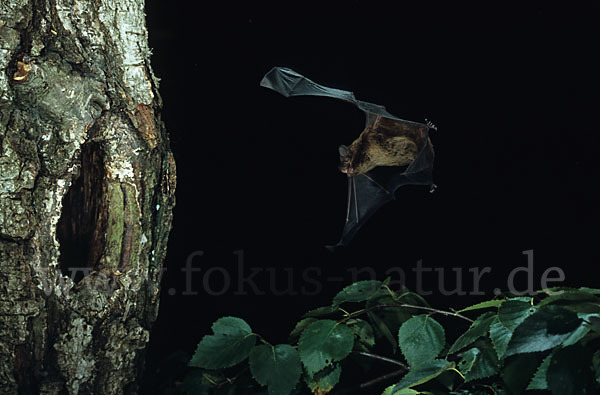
(346, 161)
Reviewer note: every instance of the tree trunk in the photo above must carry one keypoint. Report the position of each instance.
(87, 186)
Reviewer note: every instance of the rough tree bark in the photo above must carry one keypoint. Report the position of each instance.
(86, 195)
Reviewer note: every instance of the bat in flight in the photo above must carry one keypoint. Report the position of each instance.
(389, 153)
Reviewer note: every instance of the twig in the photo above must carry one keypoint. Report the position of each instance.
(449, 313)
(382, 378)
(381, 306)
(231, 380)
(382, 358)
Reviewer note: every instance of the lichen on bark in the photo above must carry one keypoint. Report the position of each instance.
(87, 184)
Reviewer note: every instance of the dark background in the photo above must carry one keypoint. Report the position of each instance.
(513, 91)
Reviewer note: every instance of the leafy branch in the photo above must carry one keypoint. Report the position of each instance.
(515, 344)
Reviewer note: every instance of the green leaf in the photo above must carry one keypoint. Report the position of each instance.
(483, 305)
(423, 374)
(357, 292)
(320, 312)
(538, 381)
(230, 344)
(468, 359)
(574, 300)
(322, 382)
(478, 363)
(513, 312)
(518, 371)
(510, 316)
(382, 329)
(500, 336)
(595, 323)
(576, 335)
(593, 291)
(276, 367)
(406, 391)
(477, 329)
(569, 372)
(300, 326)
(324, 342)
(363, 331)
(546, 328)
(386, 320)
(421, 339)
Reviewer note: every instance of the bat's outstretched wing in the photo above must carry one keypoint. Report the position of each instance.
(369, 191)
(289, 83)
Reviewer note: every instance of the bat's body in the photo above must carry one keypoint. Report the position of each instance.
(389, 153)
(387, 142)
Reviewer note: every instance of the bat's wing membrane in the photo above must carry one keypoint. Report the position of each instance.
(366, 198)
(290, 83)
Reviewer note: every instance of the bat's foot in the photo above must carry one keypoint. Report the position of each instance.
(432, 188)
(430, 124)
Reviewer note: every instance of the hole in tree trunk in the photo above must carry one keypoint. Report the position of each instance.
(80, 229)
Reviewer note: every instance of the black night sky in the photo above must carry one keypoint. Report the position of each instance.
(513, 91)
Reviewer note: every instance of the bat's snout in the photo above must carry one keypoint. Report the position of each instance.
(347, 169)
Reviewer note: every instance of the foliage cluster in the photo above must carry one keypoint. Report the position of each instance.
(549, 343)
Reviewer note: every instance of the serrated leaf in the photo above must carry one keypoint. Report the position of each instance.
(483, 305)
(518, 371)
(467, 360)
(230, 344)
(324, 342)
(569, 372)
(423, 374)
(406, 391)
(576, 335)
(593, 291)
(500, 337)
(362, 330)
(276, 367)
(301, 325)
(595, 323)
(501, 330)
(477, 329)
(513, 312)
(323, 382)
(320, 312)
(570, 297)
(421, 339)
(357, 292)
(546, 328)
(383, 330)
(478, 363)
(538, 381)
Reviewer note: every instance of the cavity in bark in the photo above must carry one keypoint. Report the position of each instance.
(82, 224)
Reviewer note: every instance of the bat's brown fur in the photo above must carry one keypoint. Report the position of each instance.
(386, 142)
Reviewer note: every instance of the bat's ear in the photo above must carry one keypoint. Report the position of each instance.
(343, 151)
